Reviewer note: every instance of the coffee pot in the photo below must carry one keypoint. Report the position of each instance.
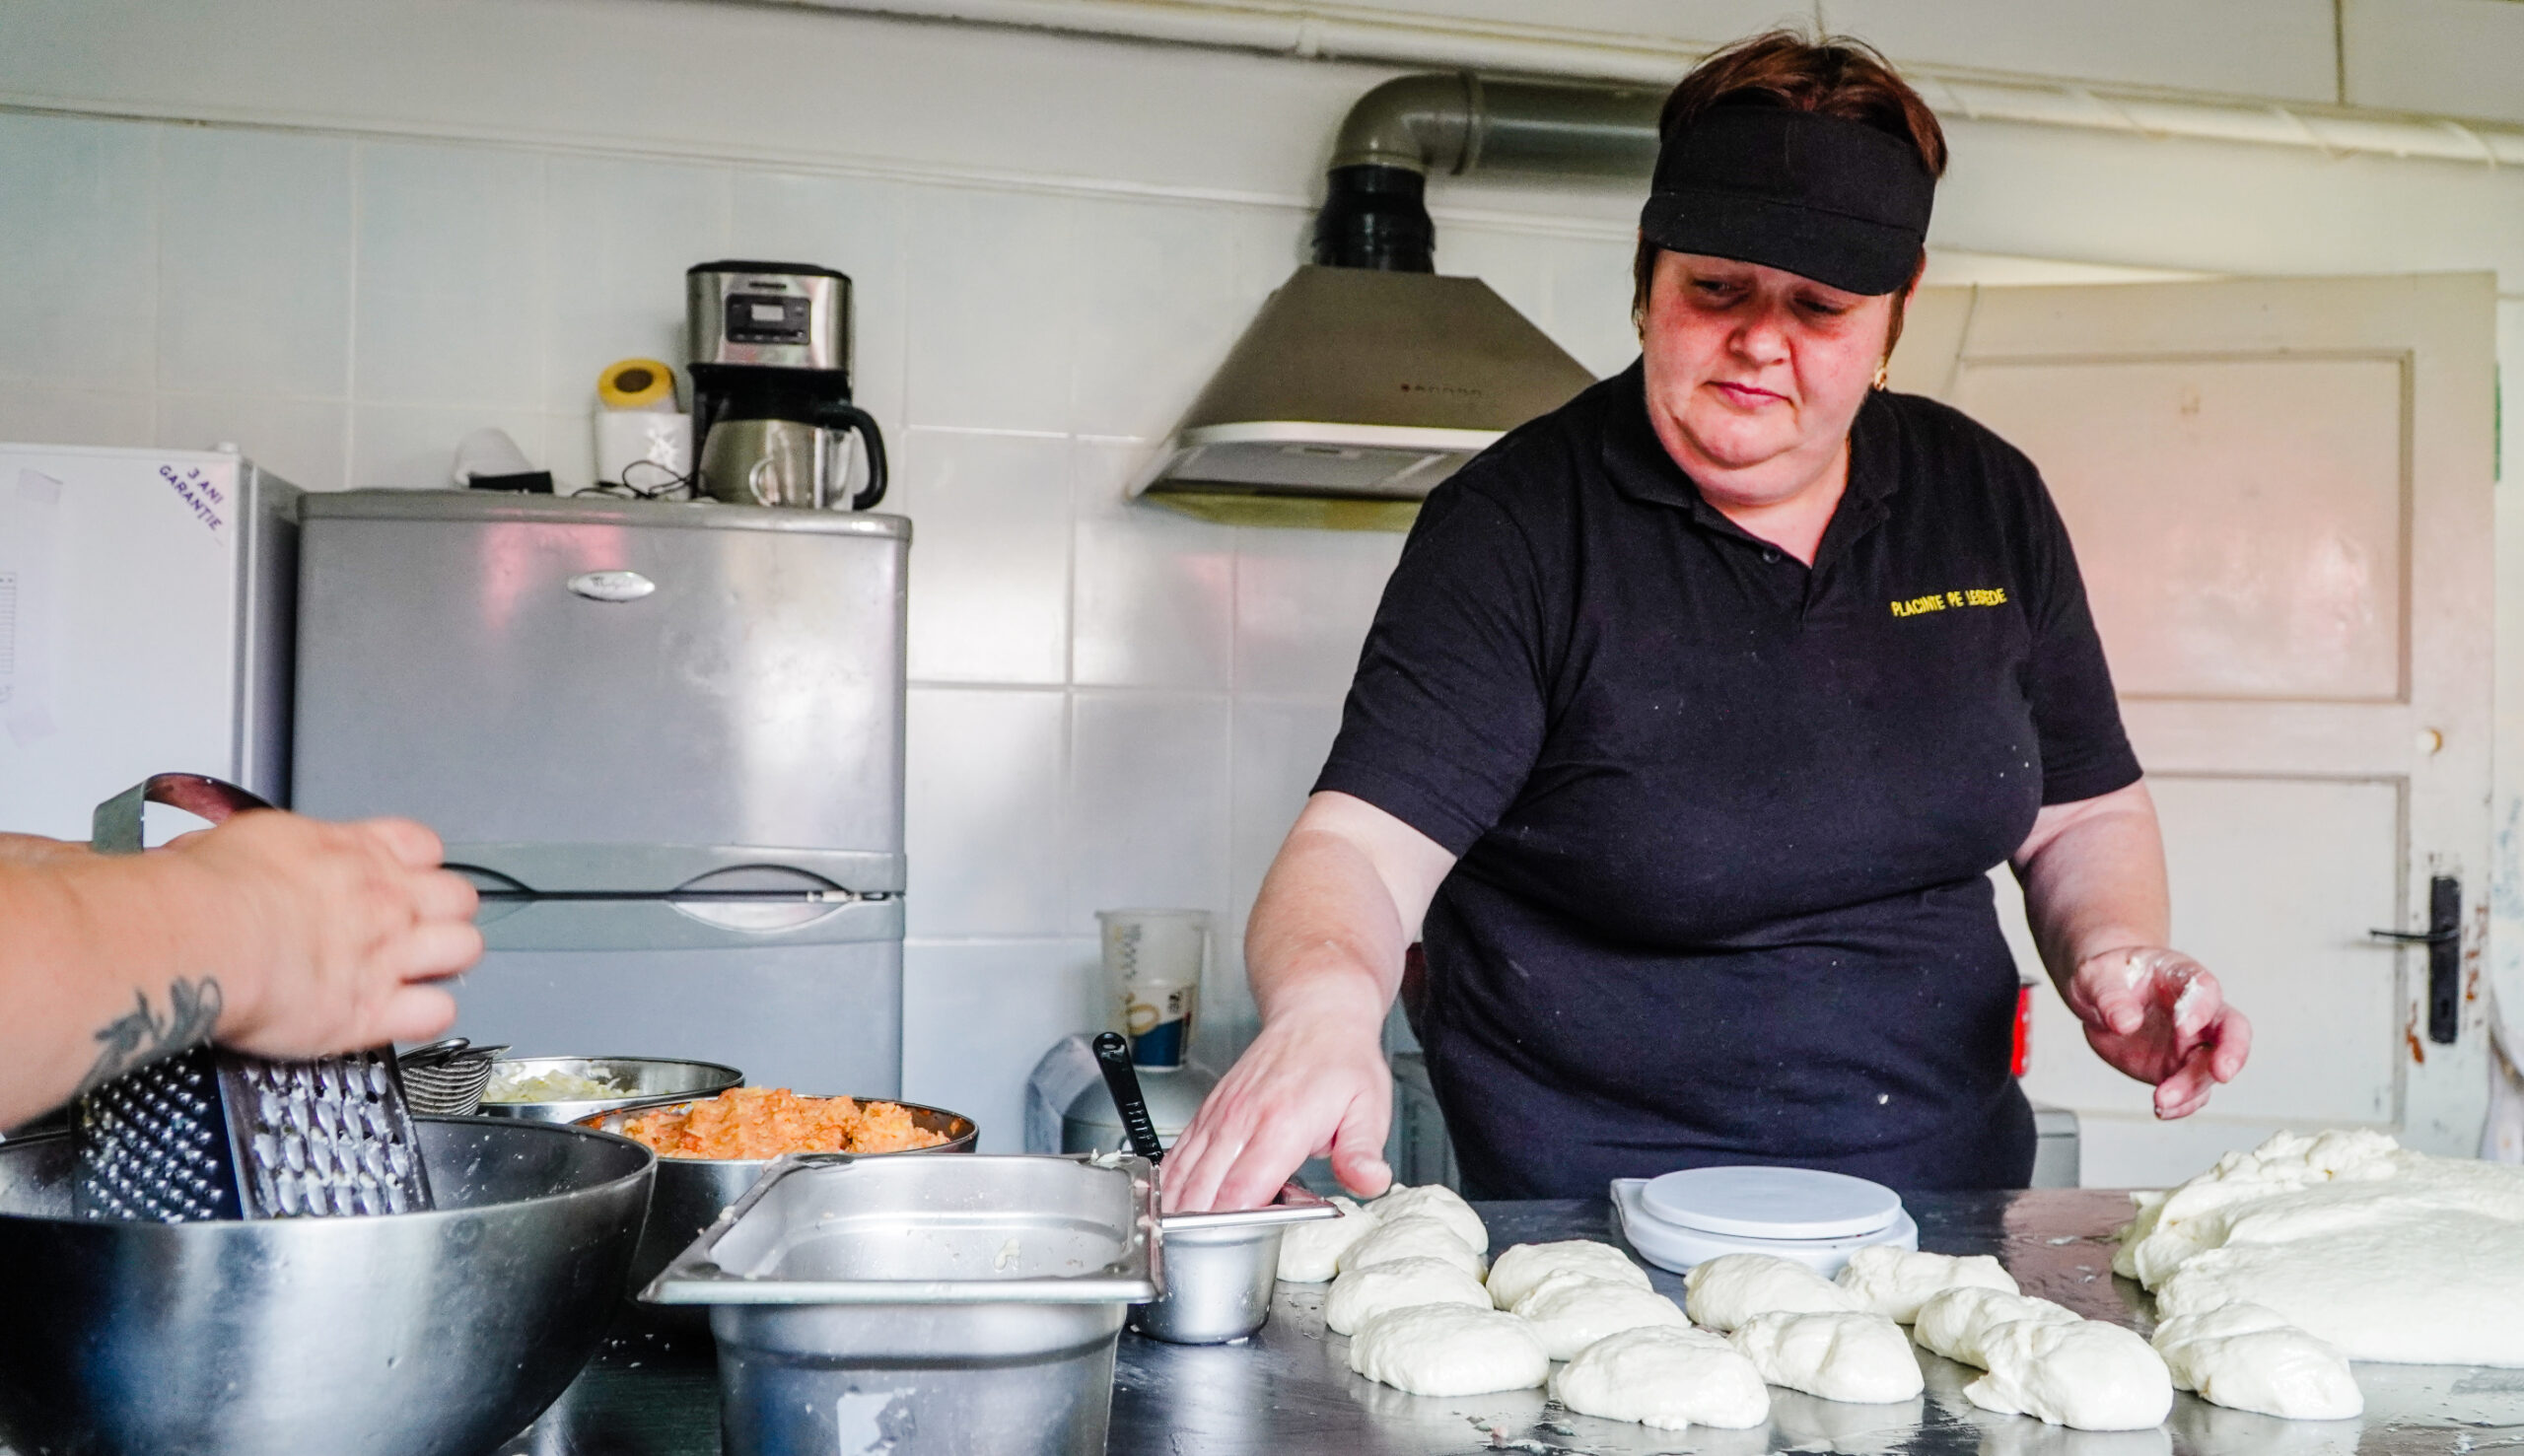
(772, 418)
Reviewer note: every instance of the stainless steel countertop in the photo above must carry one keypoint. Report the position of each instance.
(1290, 1388)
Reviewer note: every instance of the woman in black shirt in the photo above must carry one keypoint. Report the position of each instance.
(1690, 724)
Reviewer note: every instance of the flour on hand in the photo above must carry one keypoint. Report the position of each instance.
(1665, 1376)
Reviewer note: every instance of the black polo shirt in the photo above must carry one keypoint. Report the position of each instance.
(1723, 820)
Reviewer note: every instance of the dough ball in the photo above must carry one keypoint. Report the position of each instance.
(1412, 1236)
(1725, 1291)
(1572, 1311)
(1310, 1252)
(2246, 1358)
(1450, 1350)
(1665, 1376)
(1955, 1322)
(1843, 1355)
(1524, 1266)
(2088, 1375)
(1361, 1295)
(1438, 1201)
(1894, 1282)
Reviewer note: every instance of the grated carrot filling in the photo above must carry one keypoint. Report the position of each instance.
(766, 1122)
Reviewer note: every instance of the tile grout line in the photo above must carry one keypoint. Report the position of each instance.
(350, 318)
(156, 273)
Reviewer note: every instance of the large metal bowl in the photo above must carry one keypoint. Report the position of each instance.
(437, 1333)
(691, 1190)
(652, 1079)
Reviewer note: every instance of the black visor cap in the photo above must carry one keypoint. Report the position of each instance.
(1823, 197)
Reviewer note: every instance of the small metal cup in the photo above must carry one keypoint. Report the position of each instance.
(1218, 1285)
(1221, 1269)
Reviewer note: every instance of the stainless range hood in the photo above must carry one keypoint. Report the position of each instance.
(1354, 391)
(1368, 378)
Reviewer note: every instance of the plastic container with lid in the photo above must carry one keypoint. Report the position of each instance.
(1677, 1220)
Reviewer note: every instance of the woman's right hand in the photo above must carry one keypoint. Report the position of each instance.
(1313, 1083)
(349, 925)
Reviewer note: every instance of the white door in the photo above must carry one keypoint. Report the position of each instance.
(2281, 494)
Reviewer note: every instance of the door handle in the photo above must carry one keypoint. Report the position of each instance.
(2443, 939)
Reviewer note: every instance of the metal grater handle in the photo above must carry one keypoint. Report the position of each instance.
(117, 829)
(214, 1133)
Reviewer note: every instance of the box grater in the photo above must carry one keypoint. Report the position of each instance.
(217, 1133)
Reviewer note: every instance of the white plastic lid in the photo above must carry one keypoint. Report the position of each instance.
(1772, 1203)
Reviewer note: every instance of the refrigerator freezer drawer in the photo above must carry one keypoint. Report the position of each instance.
(822, 1019)
(602, 672)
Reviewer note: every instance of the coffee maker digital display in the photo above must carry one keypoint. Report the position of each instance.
(770, 362)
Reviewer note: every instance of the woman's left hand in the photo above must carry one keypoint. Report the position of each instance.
(2161, 1017)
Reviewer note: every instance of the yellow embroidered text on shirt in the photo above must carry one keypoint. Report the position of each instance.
(1937, 601)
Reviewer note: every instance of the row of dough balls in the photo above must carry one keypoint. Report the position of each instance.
(1409, 1290)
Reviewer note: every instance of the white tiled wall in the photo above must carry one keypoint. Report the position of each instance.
(1111, 704)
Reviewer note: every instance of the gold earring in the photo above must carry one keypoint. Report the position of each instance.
(1883, 369)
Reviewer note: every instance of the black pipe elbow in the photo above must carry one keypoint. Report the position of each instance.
(1376, 216)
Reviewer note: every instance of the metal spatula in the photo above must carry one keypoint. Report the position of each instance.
(216, 1134)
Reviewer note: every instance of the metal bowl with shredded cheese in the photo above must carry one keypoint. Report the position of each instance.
(560, 1089)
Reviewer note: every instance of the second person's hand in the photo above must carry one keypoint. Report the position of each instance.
(1310, 1085)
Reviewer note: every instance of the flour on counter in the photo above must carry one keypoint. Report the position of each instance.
(1572, 1311)
(1361, 1295)
(2384, 1253)
(2245, 1356)
(1841, 1355)
(2088, 1375)
(1666, 1377)
(1524, 1266)
(1895, 1283)
(1310, 1252)
(1726, 1291)
(1450, 1350)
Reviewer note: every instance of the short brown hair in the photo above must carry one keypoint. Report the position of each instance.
(1836, 76)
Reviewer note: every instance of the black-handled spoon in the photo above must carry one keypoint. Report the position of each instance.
(1113, 1055)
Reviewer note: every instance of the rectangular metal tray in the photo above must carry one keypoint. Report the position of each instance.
(827, 1229)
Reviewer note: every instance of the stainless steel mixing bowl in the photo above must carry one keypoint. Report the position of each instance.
(691, 1190)
(437, 1333)
(648, 1080)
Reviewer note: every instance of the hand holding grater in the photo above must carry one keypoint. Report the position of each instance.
(211, 1133)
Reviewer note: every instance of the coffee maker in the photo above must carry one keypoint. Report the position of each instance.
(770, 367)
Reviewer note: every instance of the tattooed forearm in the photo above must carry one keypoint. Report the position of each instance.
(192, 1011)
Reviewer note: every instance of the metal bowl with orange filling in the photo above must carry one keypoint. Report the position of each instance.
(711, 1150)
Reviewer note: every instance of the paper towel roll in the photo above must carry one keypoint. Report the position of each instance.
(636, 383)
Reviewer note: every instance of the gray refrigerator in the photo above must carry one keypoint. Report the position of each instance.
(667, 737)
